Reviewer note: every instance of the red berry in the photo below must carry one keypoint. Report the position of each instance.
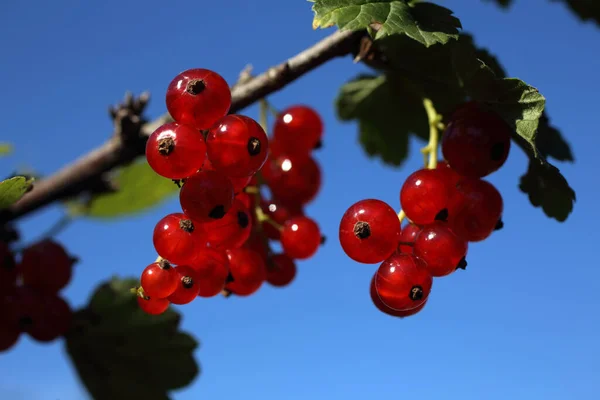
(212, 269)
(175, 151)
(369, 231)
(206, 196)
(403, 282)
(450, 176)
(8, 268)
(281, 271)
(176, 238)
(300, 238)
(441, 249)
(476, 142)
(153, 306)
(232, 230)
(298, 130)
(187, 286)
(237, 146)
(46, 266)
(408, 235)
(247, 199)
(9, 336)
(159, 279)
(198, 98)
(292, 180)
(248, 271)
(390, 311)
(424, 196)
(476, 209)
(258, 243)
(239, 183)
(54, 320)
(277, 213)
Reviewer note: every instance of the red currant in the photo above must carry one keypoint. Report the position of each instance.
(403, 282)
(258, 243)
(239, 183)
(232, 230)
(298, 130)
(153, 306)
(175, 151)
(176, 238)
(300, 238)
(206, 196)
(54, 321)
(408, 235)
(441, 249)
(281, 271)
(9, 336)
(46, 266)
(390, 311)
(450, 176)
(278, 213)
(8, 269)
(159, 280)
(476, 142)
(248, 271)
(198, 97)
(293, 180)
(187, 286)
(424, 196)
(369, 231)
(212, 269)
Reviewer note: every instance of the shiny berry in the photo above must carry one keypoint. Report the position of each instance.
(8, 268)
(232, 230)
(175, 151)
(403, 282)
(281, 270)
(153, 306)
(450, 176)
(390, 311)
(176, 238)
(248, 271)
(206, 196)
(407, 238)
(159, 279)
(187, 286)
(476, 142)
(298, 130)
(424, 196)
(239, 183)
(292, 180)
(300, 238)
(441, 249)
(46, 266)
(212, 269)
(369, 231)
(198, 98)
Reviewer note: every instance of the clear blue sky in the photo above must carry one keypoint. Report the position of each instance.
(520, 323)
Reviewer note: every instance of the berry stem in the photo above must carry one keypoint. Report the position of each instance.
(261, 217)
(430, 152)
(139, 292)
(401, 216)
(158, 259)
(264, 115)
(252, 190)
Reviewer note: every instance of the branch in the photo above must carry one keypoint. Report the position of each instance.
(129, 139)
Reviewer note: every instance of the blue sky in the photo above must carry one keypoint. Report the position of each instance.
(520, 323)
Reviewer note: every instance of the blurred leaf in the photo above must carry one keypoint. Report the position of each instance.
(501, 3)
(119, 352)
(5, 149)
(12, 189)
(584, 9)
(551, 143)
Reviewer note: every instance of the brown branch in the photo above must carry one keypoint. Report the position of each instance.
(124, 147)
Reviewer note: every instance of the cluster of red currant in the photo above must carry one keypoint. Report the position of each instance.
(448, 205)
(222, 162)
(29, 293)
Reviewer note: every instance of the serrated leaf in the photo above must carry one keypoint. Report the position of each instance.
(119, 352)
(12, 189)
(551, 143)
(5, 149)
(426, 23)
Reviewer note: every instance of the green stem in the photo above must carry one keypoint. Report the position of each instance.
(430, 152)
(264, 114)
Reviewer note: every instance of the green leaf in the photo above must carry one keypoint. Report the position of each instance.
(119, 352)
(12, 189)
(551, 143)
(426, 23)
(5, 149)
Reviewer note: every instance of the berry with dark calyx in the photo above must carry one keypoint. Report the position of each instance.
(159, 279)
(176, 238)
(54, 321)
(153, 306)
(440, 248)
(232, 230)
(46, 266)
(198, 98)
(187, 286)
(206, 196)
(281, 270)
(212, 269)
(248, 271)
(292, 180)
(175, 151)
(8, 267)
(300, 238)
(390, 311)
(403, 282)
(369, 231)
(476, 142)
(278, 213)
(237, 146)
(424, 196)
(407, 237)
(298, 130)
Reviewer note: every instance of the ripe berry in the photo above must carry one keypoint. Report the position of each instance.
(390, 311)
(248, 271)
(258, 243)
(54, 320)
(369, 231)
(450, 176)
(408, 235)
(153, 306)
(237, 146)
(476, 142)
(477, 207)
(46, 266)
(441, 249)
(239, 183)
(206, 196)
(298, 130)
(9, 336)
(212, 269)
(176, 238)
(277, 213)
(159, 280)
(187, 285)
(292, 180)
(300, 238)
(175, 151)
(198, 98)
(403, 282)
(424, 196)
(232, 230)
(281, 271)
(8, 269)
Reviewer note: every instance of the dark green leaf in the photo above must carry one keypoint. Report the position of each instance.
(5, 149)
(584, 9)
(426, 23)
(119, 352)
(550, 142)
(12, 189)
